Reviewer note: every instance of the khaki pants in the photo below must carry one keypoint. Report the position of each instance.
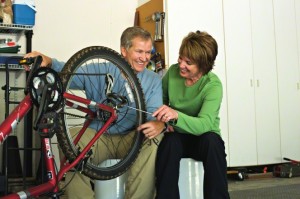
(140, 183)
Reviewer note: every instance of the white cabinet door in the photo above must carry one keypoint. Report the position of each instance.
(253, 114)
(182, 18)
(240, 83)
(265, 81)
(286, 18)
(260, 48)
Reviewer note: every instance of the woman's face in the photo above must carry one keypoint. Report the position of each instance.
(188, 69)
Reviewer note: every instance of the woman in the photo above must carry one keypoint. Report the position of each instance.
(192, 96)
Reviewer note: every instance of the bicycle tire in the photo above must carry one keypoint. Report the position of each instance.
(88, 59)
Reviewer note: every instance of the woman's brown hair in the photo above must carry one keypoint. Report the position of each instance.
(201, 48)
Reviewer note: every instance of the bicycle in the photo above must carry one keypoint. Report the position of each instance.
(67, 108)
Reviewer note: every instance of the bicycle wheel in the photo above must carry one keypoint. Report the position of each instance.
(101, 75)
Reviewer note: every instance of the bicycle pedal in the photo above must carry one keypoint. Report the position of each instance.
(26, 61)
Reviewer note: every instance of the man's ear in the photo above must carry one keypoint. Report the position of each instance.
(123, 51)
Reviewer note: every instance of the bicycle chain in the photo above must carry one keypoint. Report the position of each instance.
(71, 114)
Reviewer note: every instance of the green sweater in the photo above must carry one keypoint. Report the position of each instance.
(198, 105)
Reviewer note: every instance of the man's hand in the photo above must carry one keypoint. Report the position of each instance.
(152, 129)
(47, 61)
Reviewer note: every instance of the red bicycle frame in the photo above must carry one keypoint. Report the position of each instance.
(53, 177)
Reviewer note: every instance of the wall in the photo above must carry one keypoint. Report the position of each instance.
(64, 27)
(141, 2)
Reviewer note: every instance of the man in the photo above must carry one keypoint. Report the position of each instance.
(136, 46)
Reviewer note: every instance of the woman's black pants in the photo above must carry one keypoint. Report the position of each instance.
(208, 148)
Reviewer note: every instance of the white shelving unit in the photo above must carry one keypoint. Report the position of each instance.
(11, 80)
(14, 28)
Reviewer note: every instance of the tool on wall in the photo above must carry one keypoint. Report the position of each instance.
(158, 17)
(156, 63)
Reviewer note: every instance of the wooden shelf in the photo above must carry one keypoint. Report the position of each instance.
(144, 20)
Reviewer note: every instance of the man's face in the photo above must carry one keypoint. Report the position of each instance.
(138, 56)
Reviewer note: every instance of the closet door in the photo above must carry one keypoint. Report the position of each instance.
(198, 15)
(240, 83)
(254, 134)
(265, 82)
(286, 18)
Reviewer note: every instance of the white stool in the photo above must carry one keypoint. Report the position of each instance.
(190, 182)
(191, 179)
(110, 189)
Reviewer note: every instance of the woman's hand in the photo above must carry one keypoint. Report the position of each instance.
(165, 114)
(47, 61)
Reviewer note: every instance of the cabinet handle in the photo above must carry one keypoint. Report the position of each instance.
(257, 83)
(298, 86)
(251, 83)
